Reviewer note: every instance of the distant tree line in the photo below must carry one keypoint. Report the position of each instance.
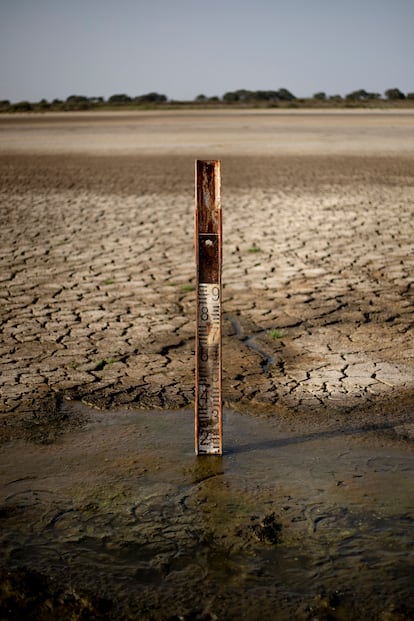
(242, 97)
(81, 102)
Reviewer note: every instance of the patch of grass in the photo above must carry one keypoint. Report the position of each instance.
(74, 364)
(101, 364)
(275, 333)
(254, 249)
(108, 281)
(188, 287)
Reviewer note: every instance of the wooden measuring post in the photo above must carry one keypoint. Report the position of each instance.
(208, 247)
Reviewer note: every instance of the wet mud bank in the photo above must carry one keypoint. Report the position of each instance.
(118, 519)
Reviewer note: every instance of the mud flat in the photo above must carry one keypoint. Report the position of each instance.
(97, 307)
(118, 521)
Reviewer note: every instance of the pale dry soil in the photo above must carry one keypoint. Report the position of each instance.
(97, 270)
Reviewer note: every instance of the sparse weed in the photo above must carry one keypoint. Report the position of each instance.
(101, 364)
(274, 333)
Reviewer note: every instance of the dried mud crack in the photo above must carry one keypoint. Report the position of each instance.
(97, 268)
(105, 511)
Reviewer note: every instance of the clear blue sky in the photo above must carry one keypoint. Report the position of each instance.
(181, 48)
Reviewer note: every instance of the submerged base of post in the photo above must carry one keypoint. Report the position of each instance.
(208, 244)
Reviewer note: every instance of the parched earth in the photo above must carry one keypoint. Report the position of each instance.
(97, 266)
(108, 514)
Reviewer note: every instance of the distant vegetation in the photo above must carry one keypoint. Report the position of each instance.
(281, 98)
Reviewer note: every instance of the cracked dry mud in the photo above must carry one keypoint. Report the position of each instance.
(97, 265)
(109, 515)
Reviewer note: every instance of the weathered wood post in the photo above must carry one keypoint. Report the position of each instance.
(208, 250)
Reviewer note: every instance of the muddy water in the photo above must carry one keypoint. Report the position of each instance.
(120, 520)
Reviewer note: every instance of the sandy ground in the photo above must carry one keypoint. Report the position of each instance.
(97, 268)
